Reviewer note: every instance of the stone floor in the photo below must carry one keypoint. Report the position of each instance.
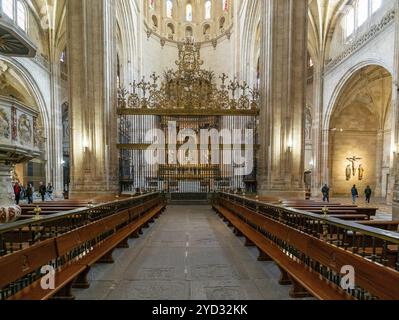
(188, 254)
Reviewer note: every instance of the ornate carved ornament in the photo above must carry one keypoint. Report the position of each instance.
(189, 90)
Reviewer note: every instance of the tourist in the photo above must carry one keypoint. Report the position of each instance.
(23, 193)
(17, 193)
(368, 192)
(42, 191)
(355, 194)
(29, 193)
(50, 191)
(326, 193)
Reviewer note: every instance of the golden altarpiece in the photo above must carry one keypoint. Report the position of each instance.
(191, 98)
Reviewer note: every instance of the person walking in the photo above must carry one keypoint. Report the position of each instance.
(23, 193)
(29, 193)
(50, 191)
(368, 192)
(326, 193)
(17, 192)
(42, 191)
(355, 194)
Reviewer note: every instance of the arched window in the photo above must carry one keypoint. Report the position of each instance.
(21, 15)
(8, 8)
(375, 5)
(225, 5)
(362, 12)
(208, 9)
(350, 22)
(189, 12)
(169, 8)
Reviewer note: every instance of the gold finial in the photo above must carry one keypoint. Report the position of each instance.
(37, 212)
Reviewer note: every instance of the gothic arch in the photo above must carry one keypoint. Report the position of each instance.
(38, 97)
(343, 81)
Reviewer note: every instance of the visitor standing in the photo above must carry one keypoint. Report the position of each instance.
(50, 191)
(42, 191)
(29, 193)
(355, 194)
(368, 192)
(17, 193)
(326, 193)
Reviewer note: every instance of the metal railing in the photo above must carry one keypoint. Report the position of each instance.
(25, 233)
(375, 245)
(21, 235)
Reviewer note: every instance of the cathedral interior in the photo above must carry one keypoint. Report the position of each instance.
(199, 149)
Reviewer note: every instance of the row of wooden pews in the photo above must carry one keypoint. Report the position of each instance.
(335, 210)
(313, 250)
(53, 207)
(69, 243)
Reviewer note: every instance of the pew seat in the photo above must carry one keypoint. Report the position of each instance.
(74, 253)
(303, 280)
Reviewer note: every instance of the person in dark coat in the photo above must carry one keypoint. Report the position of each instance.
(326, 193)
(29, 193)
(50, 191)
(42, 190)
(368, 192)
(355, 194)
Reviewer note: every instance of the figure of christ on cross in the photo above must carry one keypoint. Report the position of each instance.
(353, 161)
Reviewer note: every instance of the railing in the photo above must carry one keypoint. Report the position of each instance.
(25, 233)
(350, 240)
(63, 239)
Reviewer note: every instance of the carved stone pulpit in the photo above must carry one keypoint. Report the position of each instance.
(19, 142)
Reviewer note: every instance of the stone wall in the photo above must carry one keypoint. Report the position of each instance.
(357, 138)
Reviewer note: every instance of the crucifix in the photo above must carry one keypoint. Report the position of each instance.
(353, 160)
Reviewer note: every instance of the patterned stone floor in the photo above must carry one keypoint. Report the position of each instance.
(188, 254)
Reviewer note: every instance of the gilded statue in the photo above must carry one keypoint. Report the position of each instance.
(348, 172)
(360, 172)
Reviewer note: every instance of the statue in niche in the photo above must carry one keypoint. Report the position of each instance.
(360, 172)
(348, 172)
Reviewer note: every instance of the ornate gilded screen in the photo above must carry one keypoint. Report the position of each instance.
(182, 134)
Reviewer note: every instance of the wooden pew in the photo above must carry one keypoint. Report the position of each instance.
(371, 276)
(385, 225)
(369, 212)
(303, 282)
(90, 244)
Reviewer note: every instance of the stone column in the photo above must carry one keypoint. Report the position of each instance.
(317, 130)
(379, 163)
(283, 94)
(92, 78)
(395, 127)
